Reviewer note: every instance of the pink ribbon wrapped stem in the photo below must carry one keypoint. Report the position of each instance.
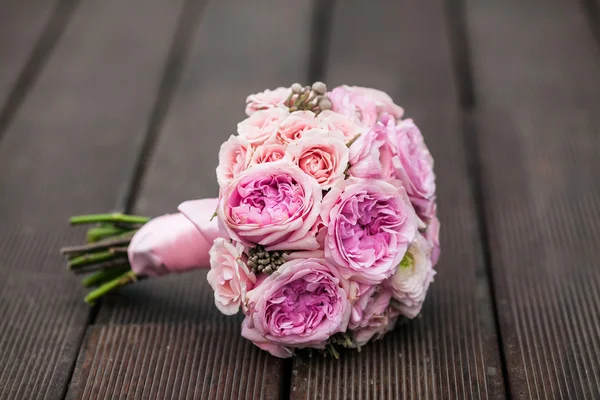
(175, 243)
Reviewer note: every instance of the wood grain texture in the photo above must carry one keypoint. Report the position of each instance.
(64, 153)
(536, 76)
(22, 24)
(194, 350)
(543, 209)
(68, 145)
(451, 351)
(174, 361)
(43, 317)
(533, 52)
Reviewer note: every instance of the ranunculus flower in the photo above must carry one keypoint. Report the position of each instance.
(414, 164)
(261, 125)
(229, 276)
(301, 304)
(371, 154)
(274, 205)
(369, 226)
(374, 322)
(432, 234)
(412, 278)
(234, 157)
(267, 99)
(384, 103)
(332, 121)
(322, 155)
(268, 152)
(294, 126)
(355, 105)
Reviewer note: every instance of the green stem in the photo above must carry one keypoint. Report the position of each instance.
(103, 276)
(90, 258)
(99, 245)
(112, 217)
(117, 262)
(121, 280)
(98, 233)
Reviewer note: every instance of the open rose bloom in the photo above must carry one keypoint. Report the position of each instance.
(325, 230)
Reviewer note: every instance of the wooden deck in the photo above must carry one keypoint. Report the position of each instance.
(122, 104)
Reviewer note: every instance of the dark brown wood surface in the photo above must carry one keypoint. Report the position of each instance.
(537, 84)
(123, 105)
(65, 151)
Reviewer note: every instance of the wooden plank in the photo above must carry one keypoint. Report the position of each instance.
(451, 351)
(85, 113)
(182, 361)
(239, 48)
(22, 24)
(536, 69)
(65, 152)
(543, 209)
(528, 53)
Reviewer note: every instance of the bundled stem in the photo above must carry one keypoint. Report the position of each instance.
(104, 256)
(115, 218)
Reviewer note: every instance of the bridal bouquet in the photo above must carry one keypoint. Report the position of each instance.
(324, 232)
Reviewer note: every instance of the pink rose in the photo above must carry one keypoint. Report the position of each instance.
(384, 103)
(369, 226)
(300, 305)
(432, 234)
(371, 154)
(332, 121)
(267, 99)
(412, 278)
(355, 105)
(252, 334)
(295, 125)
(261, 125)
(229, 276)
(414, 164)
(274, 205)
(322, 155)
(370, 300)
(268, 152)
(375, 318)
(234, 157)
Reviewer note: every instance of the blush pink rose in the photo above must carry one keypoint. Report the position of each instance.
(375, 318)
(229, 276)
(294, 126)
(369, 226)
(322, 155)
(274, 205)
(335, 122)
(359, 108)
(251, 333)
(267, 99)
(414, 165)
(261, 125)
(371, 154)
(234, 158)
(383, 102)
(300, 305)
(268, 152)
(411, 281)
